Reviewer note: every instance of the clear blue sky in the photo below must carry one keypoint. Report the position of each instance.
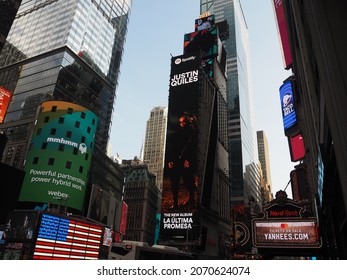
(156, 31)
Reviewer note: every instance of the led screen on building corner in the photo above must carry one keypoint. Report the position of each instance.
(180, 182)
(60, 155)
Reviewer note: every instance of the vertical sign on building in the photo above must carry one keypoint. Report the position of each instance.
(283, 33)
(180, 182)
(5, 97)
(60, 155)
(287, 105)
(124, 218)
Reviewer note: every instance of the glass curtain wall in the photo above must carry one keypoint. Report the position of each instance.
(243, 154)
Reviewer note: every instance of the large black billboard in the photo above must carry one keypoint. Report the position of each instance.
(180, 182)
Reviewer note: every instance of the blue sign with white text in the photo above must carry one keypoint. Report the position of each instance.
(287, 104)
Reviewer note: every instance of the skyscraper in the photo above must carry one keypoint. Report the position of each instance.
(319, 80)
(244, 167)
(195, 205)
(264, 158)
(8, 11)
(154, 148)
(67, 51)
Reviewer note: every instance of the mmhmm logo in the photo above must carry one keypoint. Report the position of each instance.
(81, 147)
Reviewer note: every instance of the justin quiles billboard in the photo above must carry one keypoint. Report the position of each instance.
(180, 182)
(60, 155)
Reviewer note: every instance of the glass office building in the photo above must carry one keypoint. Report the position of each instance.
(243, 155)
(67, 50)
(63, 50)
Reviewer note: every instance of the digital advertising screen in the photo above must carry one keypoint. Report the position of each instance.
(283, 33)
(204, 41)
(21, 226)
(99, 205)
(180, 181)
(296, 147)
(286, 234)
(60, 154)
(5, 98)
(61, 238)
(287, 105)
(108, 237)
(205, 22)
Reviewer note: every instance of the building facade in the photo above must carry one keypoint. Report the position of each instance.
(141, 196)
(154, 147)
(195, 209)
(8, 11)
(64, 51)
(319, 60)
(264, 158)
(244, 167)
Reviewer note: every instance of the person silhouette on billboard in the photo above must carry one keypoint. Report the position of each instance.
(182, 162)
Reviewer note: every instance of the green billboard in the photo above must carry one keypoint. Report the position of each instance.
(59, 157)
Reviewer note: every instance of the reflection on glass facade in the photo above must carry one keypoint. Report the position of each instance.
(243, 158)
(66, 50)
(94, 29)
(8, 10)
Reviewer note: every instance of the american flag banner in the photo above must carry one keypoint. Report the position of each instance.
(62, 238)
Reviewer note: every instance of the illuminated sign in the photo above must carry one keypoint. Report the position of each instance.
(286, 234)
(180, 197)
(21, 226)
(124, 218)
(283, 33)
(5, 97)
(62, 238)
(60, 155)
(296, 147)
(287, 104)
(204, 22)
(108, 237)
(204, 41)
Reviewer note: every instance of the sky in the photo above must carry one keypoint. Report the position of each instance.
(155, 33)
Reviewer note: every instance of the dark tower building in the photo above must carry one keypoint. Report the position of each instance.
(64, 51)
(316, 32)
(195, 197)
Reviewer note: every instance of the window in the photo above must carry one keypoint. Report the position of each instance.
(88, 129)
(61, 120)
(46, 119)
(44, 146)
(70, 111)
(80, 169)
(35, 160)
(53, 131)
(54, 108)
(38, 132)
(51, 161)
(75, 151)
(68, 164)
(83, 115)
(61, 147)
(68, 134)
(83, 139)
